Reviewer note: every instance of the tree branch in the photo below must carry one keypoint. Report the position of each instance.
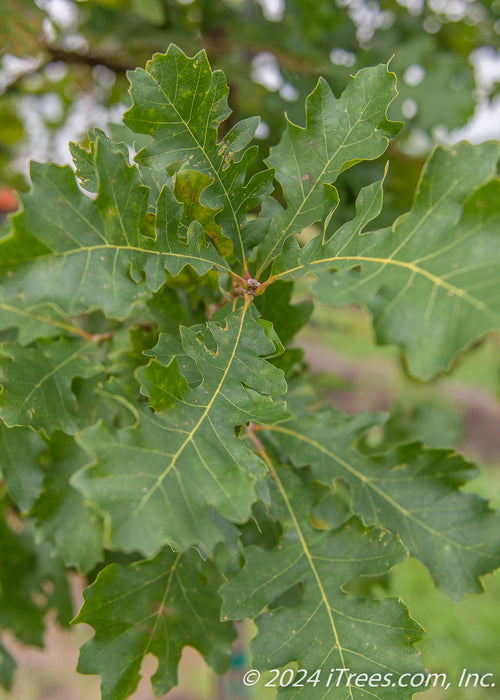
(70, 57)
(86, 59)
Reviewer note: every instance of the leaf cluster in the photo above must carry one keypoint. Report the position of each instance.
(151, 408)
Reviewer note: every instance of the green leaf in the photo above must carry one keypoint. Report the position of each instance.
(171, 306)
(20, 585)
(180, 102)
(7, 668)
(158, 481)
(410, 490)
(56, 594)
(152, 607)
(430, 281)
(435, 424)
(37, 383)
(119, 442)
(189, 186)
(61, 514)
(327, 629)
(97, 243)
(338, 134)
(38, 321)
(20, 450)
(85, 159)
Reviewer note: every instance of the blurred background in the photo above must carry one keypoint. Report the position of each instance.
(63, 70)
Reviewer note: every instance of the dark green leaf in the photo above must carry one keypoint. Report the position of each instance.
(20, 450)
(287, 318)
(430, 281)
(98, 243)
(327, 629)
(410, 490)
(61, 514)
(189, 185)
(7, 668)
(180, 102)
(85, 160)
(38, 321)
(37, 383)
(20, 583)
(338, 134)
(156, 481)
(152, 607)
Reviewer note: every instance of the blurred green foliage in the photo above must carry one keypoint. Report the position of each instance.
(75, 55)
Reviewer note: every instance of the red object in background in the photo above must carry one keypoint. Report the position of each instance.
(8, 201)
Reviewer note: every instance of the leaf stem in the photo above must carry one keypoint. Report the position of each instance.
(251, 430)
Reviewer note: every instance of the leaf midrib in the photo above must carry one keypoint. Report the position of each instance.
(55, 369)
(190, 436)
(309, 557)
(438, 281)
(210, 161)
(45, 319)
(119, 248)
(369, 483)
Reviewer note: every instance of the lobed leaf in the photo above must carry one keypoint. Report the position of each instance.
(338, 134)
(20, 466)
(36, 383)
(189, 185)
(85, 158)
(410, 490)
(61, 515)
(180, 103)
(94, 253)
(38, 321)
(158, 482)
(430, 281)
(152, 607)
(180, 475)
(328, 629)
